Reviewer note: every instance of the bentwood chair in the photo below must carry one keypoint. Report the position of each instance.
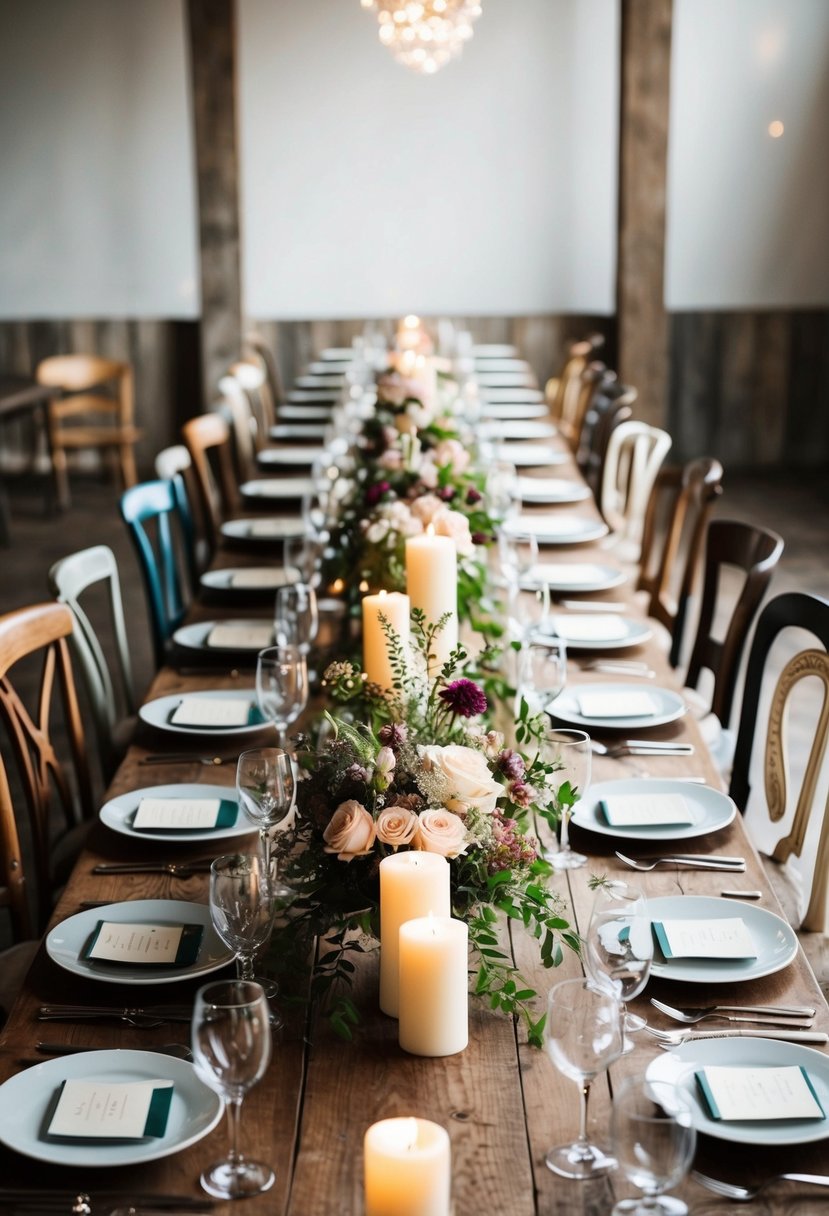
(635, 453)
(561, 388)
(257, 349)
(793, 822)
(612, 405)
(95, 411)
(579, 396)
(152, 515)
(207, 439)
(109, 686)
(173, 464)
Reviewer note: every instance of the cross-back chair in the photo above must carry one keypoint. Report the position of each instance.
(558, 388)
(207, 439)
(791, 810)
(635, 453)
(577, 399)
(109, 686)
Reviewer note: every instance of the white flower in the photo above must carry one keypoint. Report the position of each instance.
(377, 531)
(426, 508)
(468, 780)
(451, 452)
(453, 524)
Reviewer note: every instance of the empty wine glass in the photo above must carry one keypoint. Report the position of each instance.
(569, 751)
(518, 554)
(582, 1037)
(296, 618)
(542, 673)
(502, 491)
(231, 1039)
(281, 687)
(265, 785)
(242, 908)
(654, 1139)
(619, 945)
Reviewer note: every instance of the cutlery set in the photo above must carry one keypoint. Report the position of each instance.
(772, 1015)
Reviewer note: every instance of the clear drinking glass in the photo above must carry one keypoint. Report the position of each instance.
(296, 618)
(654, 1140)
(242, 907)
(569, 750)
(265, 785)
(582, 1037)
(518, 554)
(502, 491)
(281, 687)
(542, 673)
(231, 1039)
(619, 945)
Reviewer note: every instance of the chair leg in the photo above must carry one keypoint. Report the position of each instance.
(61, 472)
(129, 473)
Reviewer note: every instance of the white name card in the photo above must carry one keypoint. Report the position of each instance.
(184, 813)
(241, 637)
(210, 712)
(584, 627)
(267, 527)
(640, 810)
(153, 945)
(728, 938)
(616, 704)
(759, 1093)
(108, 1110)
(257, 578)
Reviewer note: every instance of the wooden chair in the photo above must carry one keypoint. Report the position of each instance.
(251, 372)
(112, 701)
(207, 439)
(756, 551)
(792, 810)
(247, 437)
(50, 790)
(257, 348)
(578, 398)
(672, 538)
(173, 464)
(89, 416)
(612, 405)
(168, 596)
(634, 456)
(558, 388)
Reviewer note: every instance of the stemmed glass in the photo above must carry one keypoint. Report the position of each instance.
(242, 907)
(502, 491)
(281, 686)
(542, 673)
(582, 1037)
(654, 1140)
(265, 785)
(518, 555)
(569, 751)
(619, 945)
(231, 1041)
(296, 617)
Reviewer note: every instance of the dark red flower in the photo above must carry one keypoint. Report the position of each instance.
(473, 496)
(375, 493)
(464, 698)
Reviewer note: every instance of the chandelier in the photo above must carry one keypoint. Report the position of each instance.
(424, 34)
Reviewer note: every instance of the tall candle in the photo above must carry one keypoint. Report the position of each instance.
(394, 606)
(434, 995)
(432, 584)
(407, 1168)
(412, 884)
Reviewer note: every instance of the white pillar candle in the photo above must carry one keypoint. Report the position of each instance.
(407, 1168)
(395, 607)
(432, 584)
(434, 995)
(412, 884)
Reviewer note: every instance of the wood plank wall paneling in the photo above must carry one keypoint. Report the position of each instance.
(643, 161)
(750, 388)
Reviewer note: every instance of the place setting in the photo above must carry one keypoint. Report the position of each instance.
(278, 488)
(618, 706)
(247, 582)
(265, 532)
(300, 455)
(549, 491)
(177, 813)
(531, 455)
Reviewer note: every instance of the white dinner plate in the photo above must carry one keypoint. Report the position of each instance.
(489, 363)
(290, 431)
(709, 809)
(194, 637)
(327, 383)
(157, 713)
(313, 396)
(343, 354)
(557, 528)
(514, 409)
(330, 367)
(278, 528)
(302, 454)
(678, 1067)
(66, 941)
(669, 707)
(495, 395)
(118, 813)
(582, 577)
(531, 455)
(494, 350)
(305, 413)
(626, 631)
(277, 487)
(487, 379)
(25, 1099)
(505, 429)
(222, 580)
(551, 490)
(774, 940)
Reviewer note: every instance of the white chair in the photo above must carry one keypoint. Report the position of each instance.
(635, 453)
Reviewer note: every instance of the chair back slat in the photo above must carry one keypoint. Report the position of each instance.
(154, 503)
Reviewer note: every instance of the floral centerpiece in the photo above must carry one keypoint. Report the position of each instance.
(421, 769)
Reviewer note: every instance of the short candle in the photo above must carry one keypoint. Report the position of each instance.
(434, 986)
(407, 1168)
(412, 884)
(395, 607)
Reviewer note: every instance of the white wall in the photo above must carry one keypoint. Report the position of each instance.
(97, 189)
(748, 214)
(489, 188)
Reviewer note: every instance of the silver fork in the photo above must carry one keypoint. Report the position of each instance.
(766, 1016)
(186, 759)
(697, 1013)
(743, 1194)
(675, 1038)
(734, 865)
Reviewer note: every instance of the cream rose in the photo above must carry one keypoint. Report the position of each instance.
(396, 826)
(440, 832)
(350, 833)
(456, 526)
(427, 507)
(468, 779)
(453, 453)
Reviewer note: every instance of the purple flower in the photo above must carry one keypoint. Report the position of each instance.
(447, 493)
(356, 772)
(510, 847)
(481, 538)
(375, 493)
(511, 764)
(464, 697)
(393, 734)
(521, 794)
(473, 496)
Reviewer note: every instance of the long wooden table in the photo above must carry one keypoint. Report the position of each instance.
(503, 1102)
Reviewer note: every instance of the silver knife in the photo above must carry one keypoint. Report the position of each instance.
(67, 1013)
(200, 866)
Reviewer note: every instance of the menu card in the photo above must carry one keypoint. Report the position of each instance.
(627, 704)
(111, 1110)
(589, 627)
(274, 528)
(568, 576)
(727, 938)
(759, 1093)
(639, 810)
(144, 945)
(257, 577)
(211, 712)
(241, 636)
(184, 814)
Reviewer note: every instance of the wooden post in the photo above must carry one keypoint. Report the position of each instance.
(644, 326)
(212, 38)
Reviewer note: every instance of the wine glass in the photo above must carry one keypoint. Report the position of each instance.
(296, 618)
(619, 945)
(518, 554)
(582, 1037)
(654, 1139)
(542, 673)
(502, 491)
(569, 751)
(231, 1041)
(265, 785)
(281, 686)
(242, 908)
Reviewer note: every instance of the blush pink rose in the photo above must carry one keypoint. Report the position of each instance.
(396, 826)
(456, 526)
(440, 832)
(350, 832)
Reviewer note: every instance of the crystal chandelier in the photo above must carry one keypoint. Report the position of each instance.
(424, 34)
